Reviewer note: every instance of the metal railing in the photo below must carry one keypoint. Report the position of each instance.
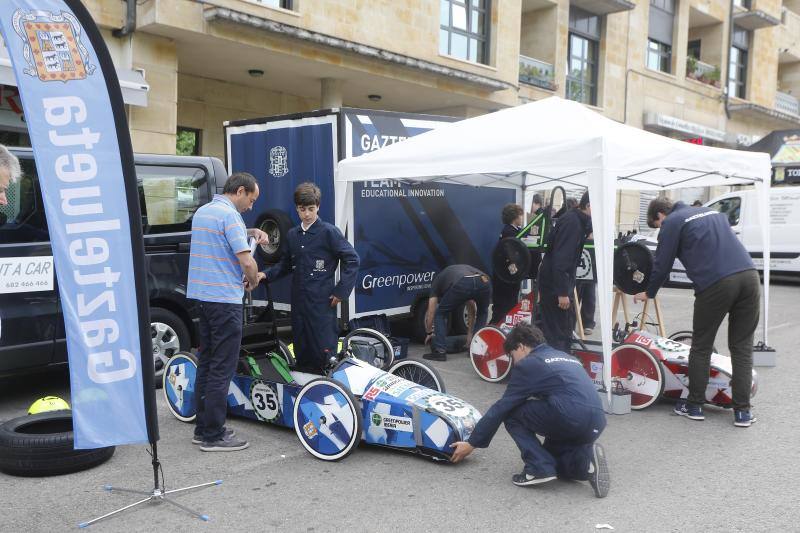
(536, 72)
(787, 103)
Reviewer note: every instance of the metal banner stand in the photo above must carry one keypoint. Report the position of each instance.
(157, 495)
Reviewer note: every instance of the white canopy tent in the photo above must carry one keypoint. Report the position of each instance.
(560, 142)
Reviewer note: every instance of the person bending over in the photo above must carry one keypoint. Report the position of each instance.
(549, 394)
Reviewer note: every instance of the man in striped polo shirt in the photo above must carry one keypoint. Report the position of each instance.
(219, 261)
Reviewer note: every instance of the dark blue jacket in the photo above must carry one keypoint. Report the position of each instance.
(704, 242)
(312, 257)
(564, 248)
(549, 375)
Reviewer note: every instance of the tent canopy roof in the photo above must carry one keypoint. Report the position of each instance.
(534, 144)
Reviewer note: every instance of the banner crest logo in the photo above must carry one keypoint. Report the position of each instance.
(52, 46)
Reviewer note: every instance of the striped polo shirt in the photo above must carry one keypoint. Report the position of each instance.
(218, 233)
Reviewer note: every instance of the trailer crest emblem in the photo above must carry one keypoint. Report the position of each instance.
(278, 161)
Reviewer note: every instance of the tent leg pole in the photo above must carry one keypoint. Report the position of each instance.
(578, 319)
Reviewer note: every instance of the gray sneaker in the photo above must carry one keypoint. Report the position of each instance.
(224, 445)
(229, 434)
(599, 478)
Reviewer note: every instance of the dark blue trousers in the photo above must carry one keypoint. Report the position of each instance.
(568, 438)
(467, 288)
(587, 294)
(220, 342)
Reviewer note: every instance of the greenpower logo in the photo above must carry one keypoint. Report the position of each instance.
(376, 419)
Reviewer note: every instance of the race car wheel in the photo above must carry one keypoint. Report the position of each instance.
(487, 355)
(639, 372)
(418, 372)
(42, 445)
(178, 384)
(286, 352)
(326, 419)
(685, 337)
(370, 346)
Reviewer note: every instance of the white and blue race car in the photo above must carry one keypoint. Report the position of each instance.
(403, 407)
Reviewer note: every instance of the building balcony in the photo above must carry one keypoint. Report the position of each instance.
(789, 37)
(745, 16)
(703, 72)
(535, 5)
(786, 103)
(538, 73)
(603, 7)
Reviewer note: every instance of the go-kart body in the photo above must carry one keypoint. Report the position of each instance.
(383, 409)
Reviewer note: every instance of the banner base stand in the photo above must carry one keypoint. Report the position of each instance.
(157, 495)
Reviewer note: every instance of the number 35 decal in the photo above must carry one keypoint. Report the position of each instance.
(265, 401)
(448, 405)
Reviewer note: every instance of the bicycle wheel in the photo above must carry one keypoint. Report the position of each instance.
(326, 419)
(639, 372)
(419, 373)
(371, 346)
(487, 355)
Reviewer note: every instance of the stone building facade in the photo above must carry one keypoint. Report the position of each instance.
(712, 71)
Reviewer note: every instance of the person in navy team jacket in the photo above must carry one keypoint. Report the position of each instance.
(549, 394)
(315, 249)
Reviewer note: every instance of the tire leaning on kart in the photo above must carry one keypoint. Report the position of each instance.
(41, 445)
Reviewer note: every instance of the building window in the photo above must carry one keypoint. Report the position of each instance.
(737, 71)
(582, 54)
(464, 29)
(285, 4)
(659, 42)
(187, 141)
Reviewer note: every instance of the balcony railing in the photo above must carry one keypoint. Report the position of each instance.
(535, 72)
(702, 72)
(787, 103)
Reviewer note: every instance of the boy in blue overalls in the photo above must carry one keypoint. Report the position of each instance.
(314, 250)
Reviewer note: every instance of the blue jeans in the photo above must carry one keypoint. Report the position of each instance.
(220, 342)
(468, 288)
(568, 439)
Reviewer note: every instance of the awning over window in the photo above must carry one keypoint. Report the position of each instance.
(134, 87)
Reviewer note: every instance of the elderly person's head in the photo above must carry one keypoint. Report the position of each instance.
(9, 172)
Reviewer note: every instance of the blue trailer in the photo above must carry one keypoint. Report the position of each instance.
(403, 233)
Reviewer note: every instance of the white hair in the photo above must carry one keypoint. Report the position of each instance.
(10, 162)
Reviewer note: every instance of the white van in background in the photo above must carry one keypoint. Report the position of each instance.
(742, 210)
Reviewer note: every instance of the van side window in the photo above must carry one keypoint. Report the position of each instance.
(729, 206)
(169, 196)
(23, 219)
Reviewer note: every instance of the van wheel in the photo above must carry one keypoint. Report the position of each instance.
(41, 445)
(417, 321)
(169, 335)
(458, 320)
(276, 224)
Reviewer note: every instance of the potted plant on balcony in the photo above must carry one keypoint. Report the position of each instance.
(691, 67)
(714, 77)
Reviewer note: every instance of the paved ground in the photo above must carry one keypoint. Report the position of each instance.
(668, 473)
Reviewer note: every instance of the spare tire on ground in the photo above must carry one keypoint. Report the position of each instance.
(41, 445)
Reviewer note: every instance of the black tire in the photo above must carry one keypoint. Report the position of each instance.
(286, 353)
(418, 372)
(685, 337)
(41, 445)
(170, 335)
(382, 359)
(417, 321)
(276, 224)
(458, 320)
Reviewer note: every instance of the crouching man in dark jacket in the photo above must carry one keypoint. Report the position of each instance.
(549, 394)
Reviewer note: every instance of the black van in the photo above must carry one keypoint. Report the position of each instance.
(171, 188)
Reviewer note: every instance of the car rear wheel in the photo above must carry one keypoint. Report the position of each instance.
(169, 335)
(418, 372)
(276, 224)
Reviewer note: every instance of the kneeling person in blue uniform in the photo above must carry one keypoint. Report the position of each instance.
(314, 250)
(549, 394)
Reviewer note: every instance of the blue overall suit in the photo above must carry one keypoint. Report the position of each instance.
(312, 257)
(549, 394)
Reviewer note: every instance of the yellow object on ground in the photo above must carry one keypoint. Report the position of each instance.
(46, 404)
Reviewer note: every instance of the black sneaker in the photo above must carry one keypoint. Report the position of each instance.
(224, 445)
(435, 356)
(742, 418)
(599, 478)
(689, 410)
(229, 434)
(524, 479)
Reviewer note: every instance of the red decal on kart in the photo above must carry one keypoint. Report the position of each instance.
(642, 340)
(371, 393)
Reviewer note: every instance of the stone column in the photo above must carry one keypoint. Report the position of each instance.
(331, 93)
